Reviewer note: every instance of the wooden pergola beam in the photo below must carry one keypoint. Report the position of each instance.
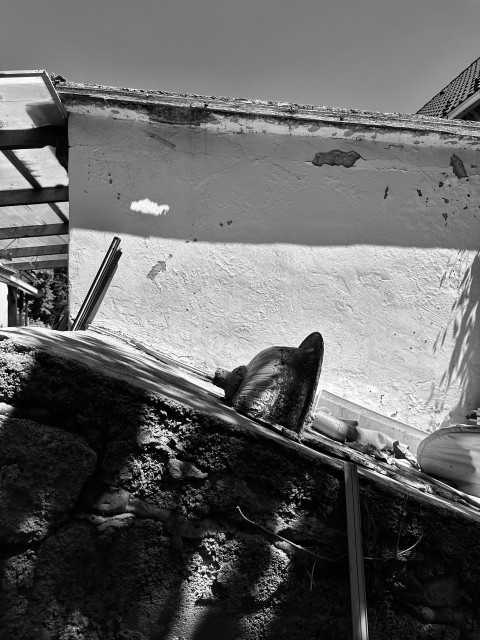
(33, 231)
(38, 264)
(24, 252)
(33, 182)
(16, 197)
(11, 278)
(11, 139)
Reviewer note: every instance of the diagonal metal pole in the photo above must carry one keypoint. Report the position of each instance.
(355, 554)
(99, 284)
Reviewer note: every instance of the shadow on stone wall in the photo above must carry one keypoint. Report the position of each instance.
(119, 521)
(78, 561)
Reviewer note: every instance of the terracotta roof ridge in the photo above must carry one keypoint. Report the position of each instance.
(446, 87)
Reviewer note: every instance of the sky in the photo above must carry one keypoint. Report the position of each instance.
(380, 55)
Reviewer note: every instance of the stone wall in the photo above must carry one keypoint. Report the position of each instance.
(120, 520)
(242, 230)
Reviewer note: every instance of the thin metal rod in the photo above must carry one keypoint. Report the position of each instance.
(98, 298)
(355, 554)
(97, 285)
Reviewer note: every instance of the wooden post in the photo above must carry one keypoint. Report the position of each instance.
(21, 304)
(12, 306)
(355, 553)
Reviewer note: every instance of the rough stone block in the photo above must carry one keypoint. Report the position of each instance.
(42, 470)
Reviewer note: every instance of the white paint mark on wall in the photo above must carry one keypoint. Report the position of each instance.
(149, 207)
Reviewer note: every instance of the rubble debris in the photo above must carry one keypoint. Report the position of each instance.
(339, 430)
(402, 452)
(378, 440)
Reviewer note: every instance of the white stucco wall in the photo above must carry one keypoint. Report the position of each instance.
(258, 246)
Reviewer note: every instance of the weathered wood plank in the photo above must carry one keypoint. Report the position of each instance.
(11, 139)
(41, 250)
(16, 197)
(12, 278)
(33, 231)
(22, 169)
(26, 173)
(355, 553)
(38, 264)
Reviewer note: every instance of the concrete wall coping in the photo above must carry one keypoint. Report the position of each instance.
(191, 109)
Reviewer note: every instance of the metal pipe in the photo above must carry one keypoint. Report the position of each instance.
(97, 286)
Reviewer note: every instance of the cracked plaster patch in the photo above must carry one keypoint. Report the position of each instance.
(156, 269)
(458, 167)
(336, 158)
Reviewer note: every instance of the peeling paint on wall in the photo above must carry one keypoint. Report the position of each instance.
(336, 158)
(192, 115)
(156, 269)
(149, 207)
(458, 167)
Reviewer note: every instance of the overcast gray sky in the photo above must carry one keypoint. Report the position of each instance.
(384, 55)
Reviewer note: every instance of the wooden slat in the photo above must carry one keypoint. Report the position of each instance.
(16, 197)
(38, 264)
(54, 94)
(22, 169)
(12, 279)
(355, 554)
(56, 209)
(33, 231)
(26, 173)
(23, 252)
(11, 139)
(21, 73)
